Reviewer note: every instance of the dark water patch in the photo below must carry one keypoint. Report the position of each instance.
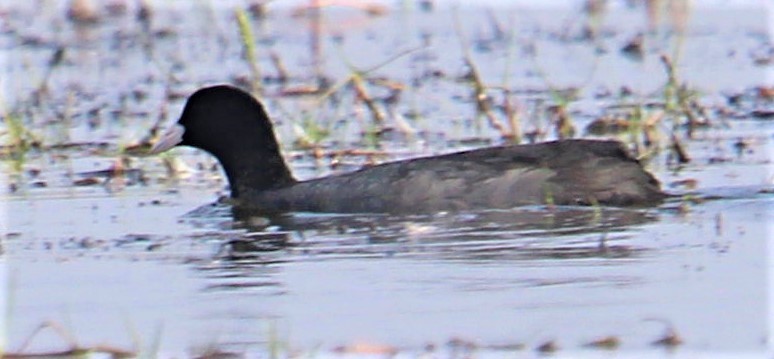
(241, 286)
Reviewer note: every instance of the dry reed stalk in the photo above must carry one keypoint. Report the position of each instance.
(479, 88)
(362, 94)
(282, 71)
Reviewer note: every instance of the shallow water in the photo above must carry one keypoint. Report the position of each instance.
(143, 260)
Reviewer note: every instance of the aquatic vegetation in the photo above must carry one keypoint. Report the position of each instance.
(19, 141)
(249, 49)
(479, 89)
(309, 133)
(359, 79)
(680, 99)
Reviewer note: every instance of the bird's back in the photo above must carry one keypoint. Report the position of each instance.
(562, 172)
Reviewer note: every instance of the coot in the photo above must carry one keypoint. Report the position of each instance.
(232, 126)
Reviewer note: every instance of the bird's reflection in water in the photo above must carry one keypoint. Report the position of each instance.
(536, 232)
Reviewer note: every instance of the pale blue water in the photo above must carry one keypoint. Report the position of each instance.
(125, 264)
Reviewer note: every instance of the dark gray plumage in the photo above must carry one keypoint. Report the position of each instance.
(232, 125)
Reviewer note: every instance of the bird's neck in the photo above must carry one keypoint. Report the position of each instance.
(248, 173)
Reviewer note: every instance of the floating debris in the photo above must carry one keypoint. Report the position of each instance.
(762, 114)
(670, 339)
(86, 182)
(610, 343)
(634, 48)
(688, 183)
(365, 348)
(547, 347)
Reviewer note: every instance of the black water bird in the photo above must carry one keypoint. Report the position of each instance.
(232, 126)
